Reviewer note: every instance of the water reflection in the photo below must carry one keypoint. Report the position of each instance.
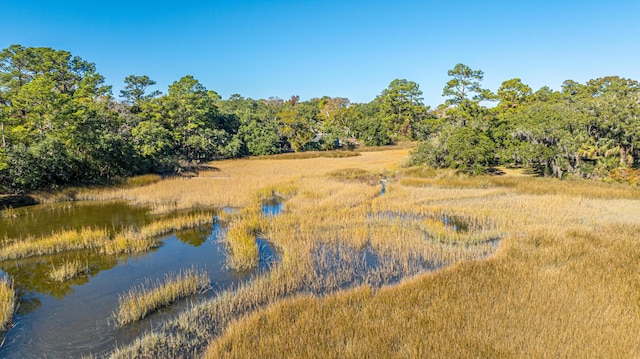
(32, 275)
(194, 237)
(73, 318)
(272, 206)
(44, 219)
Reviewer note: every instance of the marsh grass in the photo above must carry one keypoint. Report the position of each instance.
(9, 212)
(357, 174)
(309, 154)
(426, 177)
(240, 241)
(85, 238)
(353, 283)
(142, 300)
(131, 240)
(240, 235)
(235, 182)
(127, 242)
(561, 285)
(402, 145)
(143, 180)
(68, 270)
(7, 303)
(329, 241)
(571, 297)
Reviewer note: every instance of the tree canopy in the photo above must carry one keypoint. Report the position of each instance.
(60, 124)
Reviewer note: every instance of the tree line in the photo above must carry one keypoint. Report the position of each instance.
(60, 124)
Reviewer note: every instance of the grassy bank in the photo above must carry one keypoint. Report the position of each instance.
(86, 238)
(7, 303)
(240, 238)
(131, 240)
(145, 299)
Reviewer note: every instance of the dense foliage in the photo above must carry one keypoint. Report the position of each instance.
(60, 124)
(587, 130)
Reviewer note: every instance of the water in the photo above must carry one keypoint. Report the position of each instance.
(73, 318)
(44, 219)
(272, 206)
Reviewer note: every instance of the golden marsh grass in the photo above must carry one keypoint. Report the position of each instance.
(563, 281)
(7, 303)
(143, 180)
(240, 239)
(86, 238)
(131, 240)
(142, 300)
(327, 229)
(235, 182)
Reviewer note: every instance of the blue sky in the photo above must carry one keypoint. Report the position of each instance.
(344, 48)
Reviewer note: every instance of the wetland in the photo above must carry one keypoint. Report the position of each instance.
(302, 256)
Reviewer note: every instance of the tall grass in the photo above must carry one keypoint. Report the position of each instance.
(561, 285)
(142, 300)
(327, 230)
(85, 238)
(7, 302)
(240, 241)
(8, 212)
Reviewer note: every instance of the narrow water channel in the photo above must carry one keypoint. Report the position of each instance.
(73, 318)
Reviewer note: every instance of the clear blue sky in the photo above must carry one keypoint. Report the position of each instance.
(343, 48)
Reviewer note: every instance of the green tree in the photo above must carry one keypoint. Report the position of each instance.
(257, 124)
(366, 125)
(401, 109)
(465, 86)
(57, 122)
(135, 90)
(297, 125)
(513, 93)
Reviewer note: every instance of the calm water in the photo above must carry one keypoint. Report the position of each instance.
(70, 319)
(44, 219)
